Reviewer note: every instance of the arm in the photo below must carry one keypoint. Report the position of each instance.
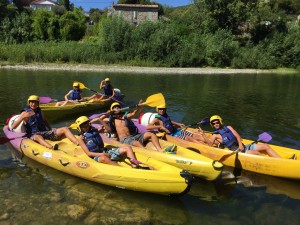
(113, 93)
(101, 86)
(135, 112)
(67, 95)
(91, 154)
(181, 125)
(23, 117)
(208, 141)
(238, 137)
(157, 124)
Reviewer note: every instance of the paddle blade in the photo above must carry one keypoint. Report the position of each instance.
(45, 100)
(73, 126)
(81, 85)
(155, 100)
(264, 137)
(4, 140)
(204, 122)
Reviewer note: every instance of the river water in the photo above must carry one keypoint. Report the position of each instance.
(35, 194)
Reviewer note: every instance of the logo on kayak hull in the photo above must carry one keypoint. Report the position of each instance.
(82, 164)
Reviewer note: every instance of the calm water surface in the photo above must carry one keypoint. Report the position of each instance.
(32, 193)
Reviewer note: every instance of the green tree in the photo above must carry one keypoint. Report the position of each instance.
(114, 33)
(16, 30)
(72, 25)
(45, 25)
(6, 9)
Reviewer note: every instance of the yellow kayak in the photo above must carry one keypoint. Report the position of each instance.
(188, 160)
(52, 112)
(154, 176)
(279, 167)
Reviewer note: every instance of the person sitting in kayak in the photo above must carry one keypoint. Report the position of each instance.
(72, 96)
(95, 144)
(120, 123)
(38, 129)
(108, 91)
(163, 123)
(228, 137)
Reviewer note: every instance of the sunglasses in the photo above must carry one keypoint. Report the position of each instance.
(85, 124)
(216, 122)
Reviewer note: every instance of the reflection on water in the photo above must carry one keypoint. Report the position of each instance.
(251, 103)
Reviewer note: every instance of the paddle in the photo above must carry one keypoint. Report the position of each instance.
(82, 86)
(263, 137)
(203, 122)
(45, 100)
(4, 140)
(152, 101)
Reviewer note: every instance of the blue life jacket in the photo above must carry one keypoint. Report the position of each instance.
(108, 90)
(75, 95)
(167, 123)
(228, 138)
(36, 122)
(129, 124)
(93, 140)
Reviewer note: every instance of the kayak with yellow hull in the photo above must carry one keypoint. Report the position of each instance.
(54, 113)
(155, 177)
(194, 163)
(279, 167)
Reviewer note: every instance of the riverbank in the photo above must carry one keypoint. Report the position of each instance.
(135, 69)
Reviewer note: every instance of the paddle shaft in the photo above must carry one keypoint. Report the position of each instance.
(4, 140)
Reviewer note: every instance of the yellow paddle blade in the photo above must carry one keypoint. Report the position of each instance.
(81, 85)
(154, 100)
(73, 126)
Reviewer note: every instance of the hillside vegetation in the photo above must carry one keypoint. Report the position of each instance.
(214, 33)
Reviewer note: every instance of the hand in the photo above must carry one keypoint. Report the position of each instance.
(26, 114)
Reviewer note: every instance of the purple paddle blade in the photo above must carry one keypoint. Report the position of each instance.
(265, 137)
(204, 122)
(45, 100)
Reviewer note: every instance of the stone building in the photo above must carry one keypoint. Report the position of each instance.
(136, 13)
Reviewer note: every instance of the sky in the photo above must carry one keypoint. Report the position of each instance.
(101, 4)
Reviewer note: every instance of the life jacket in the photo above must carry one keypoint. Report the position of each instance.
(93, 140)
(35, 123)
(108, 90)
(167, 123)
(129, 124)
(75, 95)
(228, 138)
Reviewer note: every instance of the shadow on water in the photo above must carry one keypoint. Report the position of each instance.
(32, 188)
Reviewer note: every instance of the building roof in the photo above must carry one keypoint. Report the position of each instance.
(135, 6)
(43, 2)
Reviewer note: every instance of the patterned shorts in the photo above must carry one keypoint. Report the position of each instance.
(49, 135)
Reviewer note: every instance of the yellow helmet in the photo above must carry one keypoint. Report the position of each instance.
(162, 106)
(114, 104)
(80, 121)
(216, 117)
(76, 84)
(106, 79)
(33, 98)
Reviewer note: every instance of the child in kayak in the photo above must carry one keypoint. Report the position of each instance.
(163, 123)
(95, 144)
(227, 136)
(38, 129)
(120, 122)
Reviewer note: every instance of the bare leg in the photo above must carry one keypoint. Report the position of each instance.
(104, 159)
(62, 103)
(154, 139)
(42, 141)
(64, 131)
(266, 148)
(127, 150)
